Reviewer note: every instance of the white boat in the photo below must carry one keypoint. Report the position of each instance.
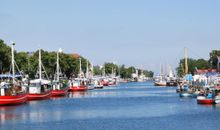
(39, 89)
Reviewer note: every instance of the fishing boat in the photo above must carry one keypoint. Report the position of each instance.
(78, 84)
(205, 100)
(39, 89)
(60, 87)
(96, 82)
(12, 92)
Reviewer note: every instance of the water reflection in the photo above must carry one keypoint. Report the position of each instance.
(5, 115)
(77, 94)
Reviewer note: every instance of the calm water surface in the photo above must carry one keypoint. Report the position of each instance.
(128, 106)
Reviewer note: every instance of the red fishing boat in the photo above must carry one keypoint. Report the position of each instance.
(205, 100)
(39, 89)
(40, 96)
(77, 85)
(59, 92)
(13, 100)
(9, 98)
(12, 92)
(78, 88)
(59, 84)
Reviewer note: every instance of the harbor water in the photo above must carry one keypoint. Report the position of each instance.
(129, 106)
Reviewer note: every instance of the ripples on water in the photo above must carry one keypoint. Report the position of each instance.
(128, 106)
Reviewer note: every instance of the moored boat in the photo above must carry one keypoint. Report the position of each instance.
(78, 88)
(205, 100)
(13, 100)
(59, 92)
(8, 97)
(39, 96)
(11, 90)
(60, 87)
(39, 89)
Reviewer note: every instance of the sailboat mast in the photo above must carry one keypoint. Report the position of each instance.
(13, 62)
(40, 69)
(186, 62)
(58, 67)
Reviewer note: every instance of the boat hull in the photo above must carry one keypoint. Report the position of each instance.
(13, 100)
(41, 96)
(160, 84)
(56, 93)
(205, 101)
(77, 88)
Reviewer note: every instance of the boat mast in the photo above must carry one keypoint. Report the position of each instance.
(186, 62)
(39, 65)
(13, 62)
(58, 67)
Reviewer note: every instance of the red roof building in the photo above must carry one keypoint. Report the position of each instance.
(205, 71)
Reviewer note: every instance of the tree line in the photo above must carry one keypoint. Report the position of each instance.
(69, 63)
(194, 64)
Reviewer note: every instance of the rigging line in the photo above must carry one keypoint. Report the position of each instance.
(17, 67)
(178, 57)
(198, 56)
(45, 71)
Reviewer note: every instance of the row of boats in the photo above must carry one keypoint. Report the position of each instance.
(204, 85)
(17, 90)
(205, 89)
(12, 94)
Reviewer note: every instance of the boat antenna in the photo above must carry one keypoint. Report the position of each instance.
(40, 65)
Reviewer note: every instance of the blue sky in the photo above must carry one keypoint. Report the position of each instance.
(143, 33)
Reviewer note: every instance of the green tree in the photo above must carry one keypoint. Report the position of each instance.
(97, 70)
(109, 67)
(192, 65)
(5, 57)
(21, 59)
(213, 60)
(202, 64)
